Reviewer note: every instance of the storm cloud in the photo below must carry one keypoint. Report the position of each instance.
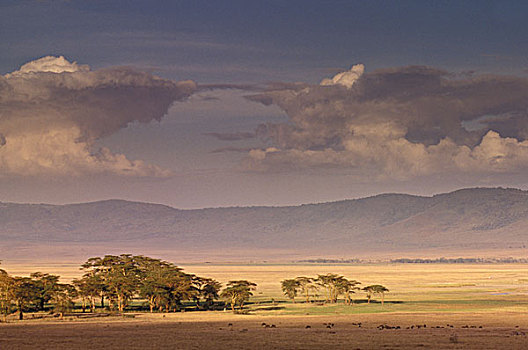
(52, 111)
(398, 123)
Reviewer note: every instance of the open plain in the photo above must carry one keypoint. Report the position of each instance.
(463, 306)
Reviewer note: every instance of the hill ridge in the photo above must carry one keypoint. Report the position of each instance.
(472, 218)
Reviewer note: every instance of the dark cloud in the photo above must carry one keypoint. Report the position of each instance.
(231, 149)
(402, 121)
(236, 136)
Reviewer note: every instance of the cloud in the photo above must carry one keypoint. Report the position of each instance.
(398, 123)
(232, 149)
(52, 111)
(236, 136)
(346, 79)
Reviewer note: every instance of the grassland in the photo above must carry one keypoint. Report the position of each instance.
(494, 297)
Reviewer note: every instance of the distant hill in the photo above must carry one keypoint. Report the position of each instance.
(475, 219)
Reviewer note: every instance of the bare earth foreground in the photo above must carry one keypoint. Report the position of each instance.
(212, 331)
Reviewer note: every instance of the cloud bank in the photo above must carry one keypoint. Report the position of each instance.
(398, 123)
(52, 111)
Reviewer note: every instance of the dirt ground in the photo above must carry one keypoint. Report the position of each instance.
(218, 330)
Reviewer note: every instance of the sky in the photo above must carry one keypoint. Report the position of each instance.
(233, 103)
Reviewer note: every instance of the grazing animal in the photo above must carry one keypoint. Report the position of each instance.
(308, 327)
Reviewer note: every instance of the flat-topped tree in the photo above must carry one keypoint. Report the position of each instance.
(119, 276)
(62, 298)
(375, 289)
(336, 285)
(347, 287)
(207, 289)
(307, 286)
(290, 287)
(238, 292)
(47, 285)
(24, 292)
(6, 284)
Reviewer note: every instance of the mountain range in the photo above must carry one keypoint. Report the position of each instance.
(474, 219)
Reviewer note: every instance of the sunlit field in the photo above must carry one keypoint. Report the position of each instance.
(413, 287)
(464, 306)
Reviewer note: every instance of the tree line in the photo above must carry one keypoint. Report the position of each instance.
(112, 282)
(333, 286)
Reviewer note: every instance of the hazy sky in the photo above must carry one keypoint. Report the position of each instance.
(221, 103)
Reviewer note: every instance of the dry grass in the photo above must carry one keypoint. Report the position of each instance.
(492, 296)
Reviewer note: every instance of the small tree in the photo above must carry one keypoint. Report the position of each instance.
(63, 298)
(238, 292)
(23, 292)
(46, 286)
(207, 289)
(375, 289)
(347, 287)
(335, 285)
(307, 286)
(290, 288)
(6, 285)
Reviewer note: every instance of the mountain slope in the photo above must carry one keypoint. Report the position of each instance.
(478, 218)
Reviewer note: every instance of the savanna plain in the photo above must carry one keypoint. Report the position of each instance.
(428, 306)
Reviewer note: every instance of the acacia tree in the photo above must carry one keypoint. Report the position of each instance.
(347, 287)
(307, 287)
(6, 284)
(119, 277)
(89, 287)
(155, 276)
(179, 286)
(375, 289)
(62, 298)
(207, 289)
(290, 288)
(46, 286)
(333, 284)
(165, 285)
(237, 292)
(23, 292)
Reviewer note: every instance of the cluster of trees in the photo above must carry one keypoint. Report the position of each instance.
(163, 285)
(112, 282)
(20, 293)
(333, 285)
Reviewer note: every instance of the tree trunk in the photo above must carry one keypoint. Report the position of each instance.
(102, 302)
(119, 303)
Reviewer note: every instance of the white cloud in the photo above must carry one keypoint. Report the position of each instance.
(347, 78)
(52, 111)
(398, 123)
